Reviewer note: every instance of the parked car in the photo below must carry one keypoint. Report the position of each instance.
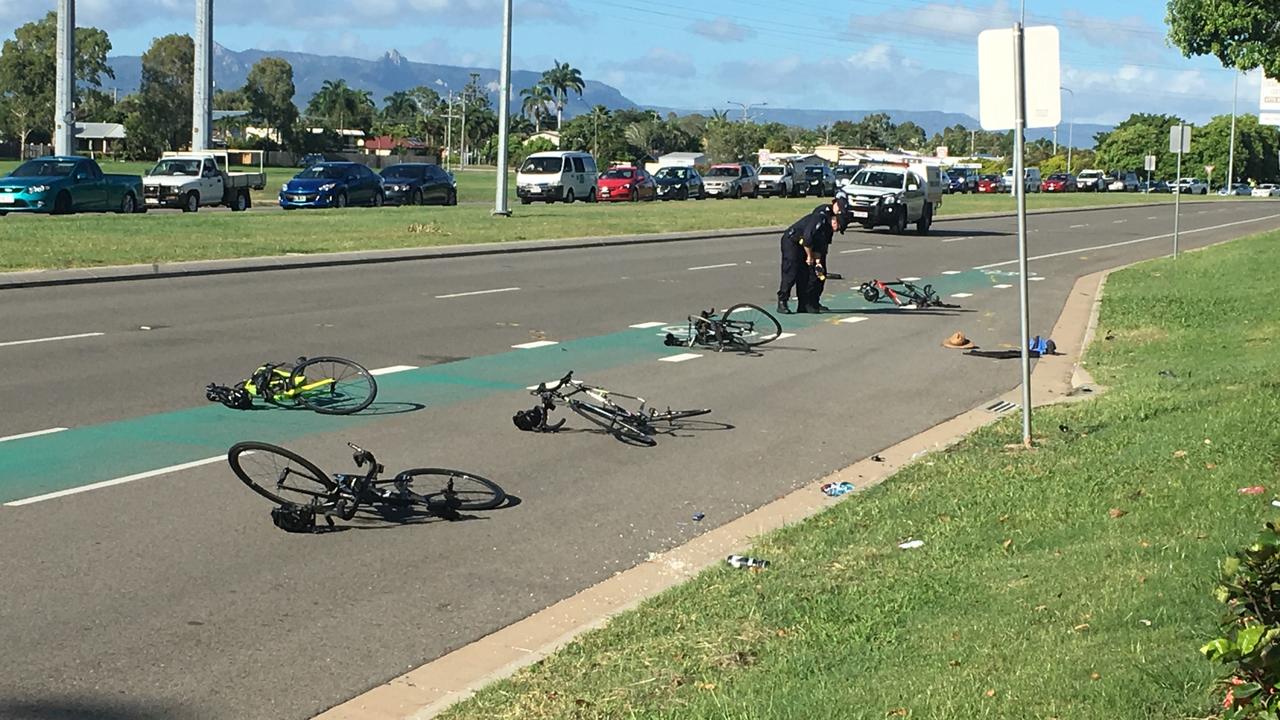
(991, 184)
(732, 180)
(845, 173)
(1154, 186)
(677, 182)
(419, 184)
(1266, 190)
(1058, 183)
(1030, 179)
(1191, 186)
(1237, 189)
(897, 195)
(1122, 182)
(190, 181)
(67, 184)
(557, 175)
(1092, 181)
(962, 180)
(316, 158)
(819, 181)
(626, 182)
(333, 184)
(783, 180)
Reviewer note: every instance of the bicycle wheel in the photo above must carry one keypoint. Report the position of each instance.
(441, 488)
(616, 422)
(753, 324)
(279, 475)
(333, 386)
(670, 415)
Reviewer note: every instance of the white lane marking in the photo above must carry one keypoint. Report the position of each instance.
(909, 279)
(1073, 227)
(784, 336)
(1035, 279)
(51, 339)
(1153, 217)
(961, 295)
(535, 344)
(476, 292)
(713, 267)
(1129, 242)
(966, 237)
(855, 250)
(950, 272)
(37, 433)
(1201, 212)
(853, 319)
(647, 325)
(1002, 286)
(1118, 222)
(117, 481)
(680, 358)
(392, 369)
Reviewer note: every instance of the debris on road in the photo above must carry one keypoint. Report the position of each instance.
(837, 489)
(958, 341)
(1252, 490)
(1117, 513)
(877, 458)
(697, 517)
(911, 544)
(1168, 374)
(742, 561)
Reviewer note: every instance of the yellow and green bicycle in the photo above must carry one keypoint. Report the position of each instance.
(328, 385)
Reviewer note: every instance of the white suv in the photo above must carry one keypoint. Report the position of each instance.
(1191, 186)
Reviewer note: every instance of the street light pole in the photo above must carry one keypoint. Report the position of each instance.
(64, 121)
(1231, 162)
(504, 120)
(745, 107)
(1071, 125)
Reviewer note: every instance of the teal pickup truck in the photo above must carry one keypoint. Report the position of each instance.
(62, 185)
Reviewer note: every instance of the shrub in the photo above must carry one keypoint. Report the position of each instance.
(1250, 588)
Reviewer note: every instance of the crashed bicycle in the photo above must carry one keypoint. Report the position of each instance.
(742, 327)
(327, 385)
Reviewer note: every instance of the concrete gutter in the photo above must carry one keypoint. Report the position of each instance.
(430, 689)
(196, 268)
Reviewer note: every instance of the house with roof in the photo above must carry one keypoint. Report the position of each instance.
(386, 146)
(95, 137)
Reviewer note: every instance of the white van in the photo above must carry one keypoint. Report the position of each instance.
(557, 175)
(1031, 177)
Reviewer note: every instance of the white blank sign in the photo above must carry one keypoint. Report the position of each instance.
(1180, 139)
(997, 92)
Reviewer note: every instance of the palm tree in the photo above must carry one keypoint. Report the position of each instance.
(563, 79)
(399, 106)
(329, 100)
(535, 103)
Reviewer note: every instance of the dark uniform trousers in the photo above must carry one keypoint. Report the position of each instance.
(795, 274)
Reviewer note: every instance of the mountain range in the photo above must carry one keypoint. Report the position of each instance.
(393, 72)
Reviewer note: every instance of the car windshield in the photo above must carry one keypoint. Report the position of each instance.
(541, 165)
(879, 179)
(813, 172)
(405, 171)
(773, 170)
(177, 167)
(1058, 178)
(1091, 174)
(324, 172)
(45, 168)
(990, 178)
(723, 172)
(619, 174)
(673, 173)
(847, 171)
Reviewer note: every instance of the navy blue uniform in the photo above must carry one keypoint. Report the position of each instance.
(814, 232)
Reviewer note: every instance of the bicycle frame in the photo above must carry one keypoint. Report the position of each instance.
(711, 330)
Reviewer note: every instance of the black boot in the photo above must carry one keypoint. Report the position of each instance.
(783, 309)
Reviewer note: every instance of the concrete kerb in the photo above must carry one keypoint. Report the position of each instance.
(195, 268)
(430, 689)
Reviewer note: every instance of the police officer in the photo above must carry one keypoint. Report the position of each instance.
(804, 246)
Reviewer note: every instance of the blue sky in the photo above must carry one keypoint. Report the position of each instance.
(841, 54)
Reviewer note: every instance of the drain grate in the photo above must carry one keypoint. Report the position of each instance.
(1002, 406)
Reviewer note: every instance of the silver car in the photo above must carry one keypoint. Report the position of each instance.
(733, 180)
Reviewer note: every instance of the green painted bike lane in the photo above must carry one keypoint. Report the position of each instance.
(81, 456)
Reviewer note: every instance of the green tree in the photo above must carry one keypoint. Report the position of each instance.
(159, 117)
(734, 141)
(1256, 149)
(269, 90)
(1242, 34)
(534, 104)
(28, 73)
(1141, 134)
(562, 80)
(909, 136)
(340, 107)
(399, 107)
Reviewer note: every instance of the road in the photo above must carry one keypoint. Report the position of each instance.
(173, 596)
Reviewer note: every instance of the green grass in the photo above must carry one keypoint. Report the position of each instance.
(1028, 599)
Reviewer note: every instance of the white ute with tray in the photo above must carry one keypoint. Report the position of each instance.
(190, 181)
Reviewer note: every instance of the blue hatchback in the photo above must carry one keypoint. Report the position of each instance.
(333, 184)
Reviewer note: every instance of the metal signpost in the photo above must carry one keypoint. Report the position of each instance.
(504, 117)
(1018, 85)
(1149, 164)
(1179, 143)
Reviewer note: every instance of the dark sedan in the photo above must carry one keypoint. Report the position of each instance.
(679, 183)
(333, 184)
(419, 184)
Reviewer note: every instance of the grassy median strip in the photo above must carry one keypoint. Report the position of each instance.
(1072, 581)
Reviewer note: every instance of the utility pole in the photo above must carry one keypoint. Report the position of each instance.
(745, 107)
(504, 121)
(64, 121)
(1231, 162)
(202, 89)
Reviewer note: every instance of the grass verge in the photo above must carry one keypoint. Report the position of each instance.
(1072, 581)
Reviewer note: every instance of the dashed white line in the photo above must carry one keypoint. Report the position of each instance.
(713, 267)
(392, 369)
(476, 292)
(1153, 217)
(855, 250)
(36, 433)
(535, 344)
(852, 320)
(1002, 286)
(966, 237)
(647, 325)
(1035, 279)
(1128, 242)
(51, 339)
(909, 279)
(680, 358)
(1119, 222)
(961, 295)
(950, 272)
(117, 481)
(1073, 227)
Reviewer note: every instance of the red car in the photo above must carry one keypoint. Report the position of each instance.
(626, 182)
(1058, 183)
(990, 184)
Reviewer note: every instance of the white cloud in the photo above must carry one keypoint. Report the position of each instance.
(657, 61)
(722, 29)
(943, 21)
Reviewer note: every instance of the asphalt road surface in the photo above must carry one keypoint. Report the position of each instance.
(172, 596)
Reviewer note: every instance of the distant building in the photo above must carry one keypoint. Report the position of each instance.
(685, 159)
(550, 136)
(386, 146)
(104, 138)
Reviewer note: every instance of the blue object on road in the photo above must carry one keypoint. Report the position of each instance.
(837, 489)
(697, 517)
(1044, 346)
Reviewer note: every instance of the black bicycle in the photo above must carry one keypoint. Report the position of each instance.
(302, 491)
(634, 426)
(742, 327)
(328, 385)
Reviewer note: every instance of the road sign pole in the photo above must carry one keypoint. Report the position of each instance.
(1177, 201)
(1019, 174)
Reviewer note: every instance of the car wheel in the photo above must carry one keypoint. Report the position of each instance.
(568, 196)
(926, 219)
(340, 200)
(191, 203)
(452, 199)
(127, 204)
(900, 223)
(241, 201)
(684, 194)
(378, 200)
(416, 198)
(737, 192)
(591, 195)
(525, 201)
